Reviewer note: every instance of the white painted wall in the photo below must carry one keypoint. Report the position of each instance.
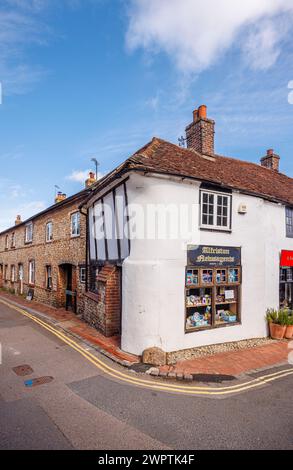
(153, 312)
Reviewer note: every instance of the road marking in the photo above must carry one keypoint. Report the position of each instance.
(154, 385)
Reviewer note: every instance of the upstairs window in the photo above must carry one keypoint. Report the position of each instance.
(29, 233)
(31, 272)
(289, 222)
(49, 231)
(215, 210)
(13, 240)
(6, 242)
(75, 224)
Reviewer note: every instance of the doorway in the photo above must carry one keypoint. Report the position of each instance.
(67, 286)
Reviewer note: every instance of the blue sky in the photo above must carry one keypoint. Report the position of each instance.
(84, 78)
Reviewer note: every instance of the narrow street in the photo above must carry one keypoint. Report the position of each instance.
(84, 408)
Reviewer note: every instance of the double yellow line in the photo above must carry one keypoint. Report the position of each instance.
(153, 384)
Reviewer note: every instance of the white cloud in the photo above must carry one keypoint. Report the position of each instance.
(26, 210)
(79, 176)
(195, 33)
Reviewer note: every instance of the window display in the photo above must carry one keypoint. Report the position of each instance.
(212, 297)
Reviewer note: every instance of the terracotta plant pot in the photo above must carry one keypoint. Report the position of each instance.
(289, 332)
(277, 331)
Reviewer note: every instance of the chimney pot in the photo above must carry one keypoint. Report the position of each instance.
(195, 115)
(18, 220)
(90, 180)
(60, 197)
(202, 112)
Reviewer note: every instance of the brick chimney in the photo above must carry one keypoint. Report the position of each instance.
(60, 197)
(200, 133)
(18, 220)
(270, 160)
(90, 180)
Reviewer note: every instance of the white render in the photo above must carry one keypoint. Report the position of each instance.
(153, 275)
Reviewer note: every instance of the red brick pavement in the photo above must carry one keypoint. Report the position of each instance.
(234, 362)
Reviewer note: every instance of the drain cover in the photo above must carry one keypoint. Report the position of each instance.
(23, 370)
(215, 378)
(38, 381)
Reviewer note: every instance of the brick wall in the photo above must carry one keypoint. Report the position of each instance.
(200, 136)
(64, 248)
(102, 309)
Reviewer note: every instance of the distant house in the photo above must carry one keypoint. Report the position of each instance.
(211, 284)
(44, 257)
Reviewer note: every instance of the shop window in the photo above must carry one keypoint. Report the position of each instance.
(49, 232)
(75, 224)
(286, 288)
(31, 272)
(215, 210)
(49, 283)
(29, 233)
(215, 301)
(289, 222)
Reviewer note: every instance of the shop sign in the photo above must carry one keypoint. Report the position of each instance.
(286, 258)
(205, 255)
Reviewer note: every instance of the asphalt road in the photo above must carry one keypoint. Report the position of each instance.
(82, 408)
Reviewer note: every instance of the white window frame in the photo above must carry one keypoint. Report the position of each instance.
(29, 232)
(13, 279)
(49, 232)
(20, 272)
(31, 272)
(49, 286)
(75, 233)
(82, 274)
(289, 222)
(13, 240)
(216, 195)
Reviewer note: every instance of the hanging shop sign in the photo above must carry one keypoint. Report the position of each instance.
(286, 258)
(205, 255)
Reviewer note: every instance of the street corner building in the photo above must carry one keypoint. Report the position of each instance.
(176, 248)
(43, 258)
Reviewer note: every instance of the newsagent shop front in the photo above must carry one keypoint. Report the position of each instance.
(212, 287)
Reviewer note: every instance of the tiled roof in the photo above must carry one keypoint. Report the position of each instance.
(160, 156)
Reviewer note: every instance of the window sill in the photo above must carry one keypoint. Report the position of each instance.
(212, 327)
(28, 243)
(74, 236)
(216, 229)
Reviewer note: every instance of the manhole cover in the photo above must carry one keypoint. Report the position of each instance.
(38, 381)
(215, 378)
(23, 370)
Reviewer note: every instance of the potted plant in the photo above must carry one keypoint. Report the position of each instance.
(277, 320)
(289, 328)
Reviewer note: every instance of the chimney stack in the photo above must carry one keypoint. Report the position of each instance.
(90, 180)
(60, 197)
(18, 220)
(270, 160)
(200, 133)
